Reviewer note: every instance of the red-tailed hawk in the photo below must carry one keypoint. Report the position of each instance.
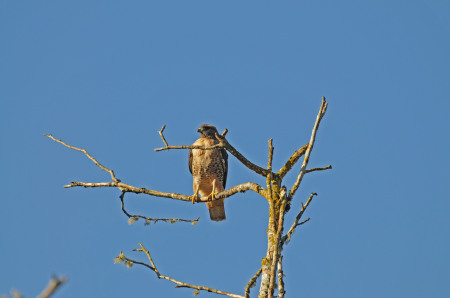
(209, 169)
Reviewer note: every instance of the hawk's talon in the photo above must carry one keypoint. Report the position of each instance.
(195, 197)
(212, 196)
(213, 192)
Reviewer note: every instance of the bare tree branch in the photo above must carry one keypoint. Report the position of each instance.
(245, 161)
(128, 188)
(190, 147)
(322, 110)
(280, 278)
(179, 284)
(318, 169)
(269, 176)
(269, 163)
(296, 223)
(52, 286)
(278, 247)
(162, 136)
(111, 172)
(167, 147)
(14, 293)
(252, 282)
(133, 217)
(292, 161)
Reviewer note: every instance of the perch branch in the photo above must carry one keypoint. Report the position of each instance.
(128, 188)
(133, 218)
(190, 147)
(252, 282)
(167, 147)
(179, 284)
(52, 286)
(296, 223)
(111, 172)
(322, 110)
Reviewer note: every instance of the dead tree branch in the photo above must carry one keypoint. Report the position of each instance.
(280, 278)
(179, 284)
(252, 282)
(128, 188)
(322, 110)
(162, 136)
(52, 286)
(292, 161)
(111, 172)
(287, 237)
(132, 218)
(329, 167)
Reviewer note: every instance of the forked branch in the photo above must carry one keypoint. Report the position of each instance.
(252, 282)
(132, 218)
(179, 284)
(322, 110)
(296, 223)
(52, 286)
(111, 172)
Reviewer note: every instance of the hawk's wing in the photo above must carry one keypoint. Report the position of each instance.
(224, 154)
(190, 161)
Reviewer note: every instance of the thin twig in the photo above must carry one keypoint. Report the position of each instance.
(318, 169)
(269, 167)
(269, 163)
(133, 217)
(162, 136)
(296, 223)
(52, 286)
(179, 284)
(322, 110)
(111, 172)
(252, 282)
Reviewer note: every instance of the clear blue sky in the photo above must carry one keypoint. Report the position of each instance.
(106, 75)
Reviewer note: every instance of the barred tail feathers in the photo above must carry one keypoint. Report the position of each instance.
(216, 210)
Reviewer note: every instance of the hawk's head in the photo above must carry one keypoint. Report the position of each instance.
(207, 131)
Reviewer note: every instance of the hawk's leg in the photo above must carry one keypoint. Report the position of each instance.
(194, 197)
(212, 196)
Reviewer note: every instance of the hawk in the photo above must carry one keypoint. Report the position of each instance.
(209, 170)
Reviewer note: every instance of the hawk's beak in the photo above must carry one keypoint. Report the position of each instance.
(199, 130)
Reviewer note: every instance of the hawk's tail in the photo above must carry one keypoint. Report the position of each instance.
(216, 210)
